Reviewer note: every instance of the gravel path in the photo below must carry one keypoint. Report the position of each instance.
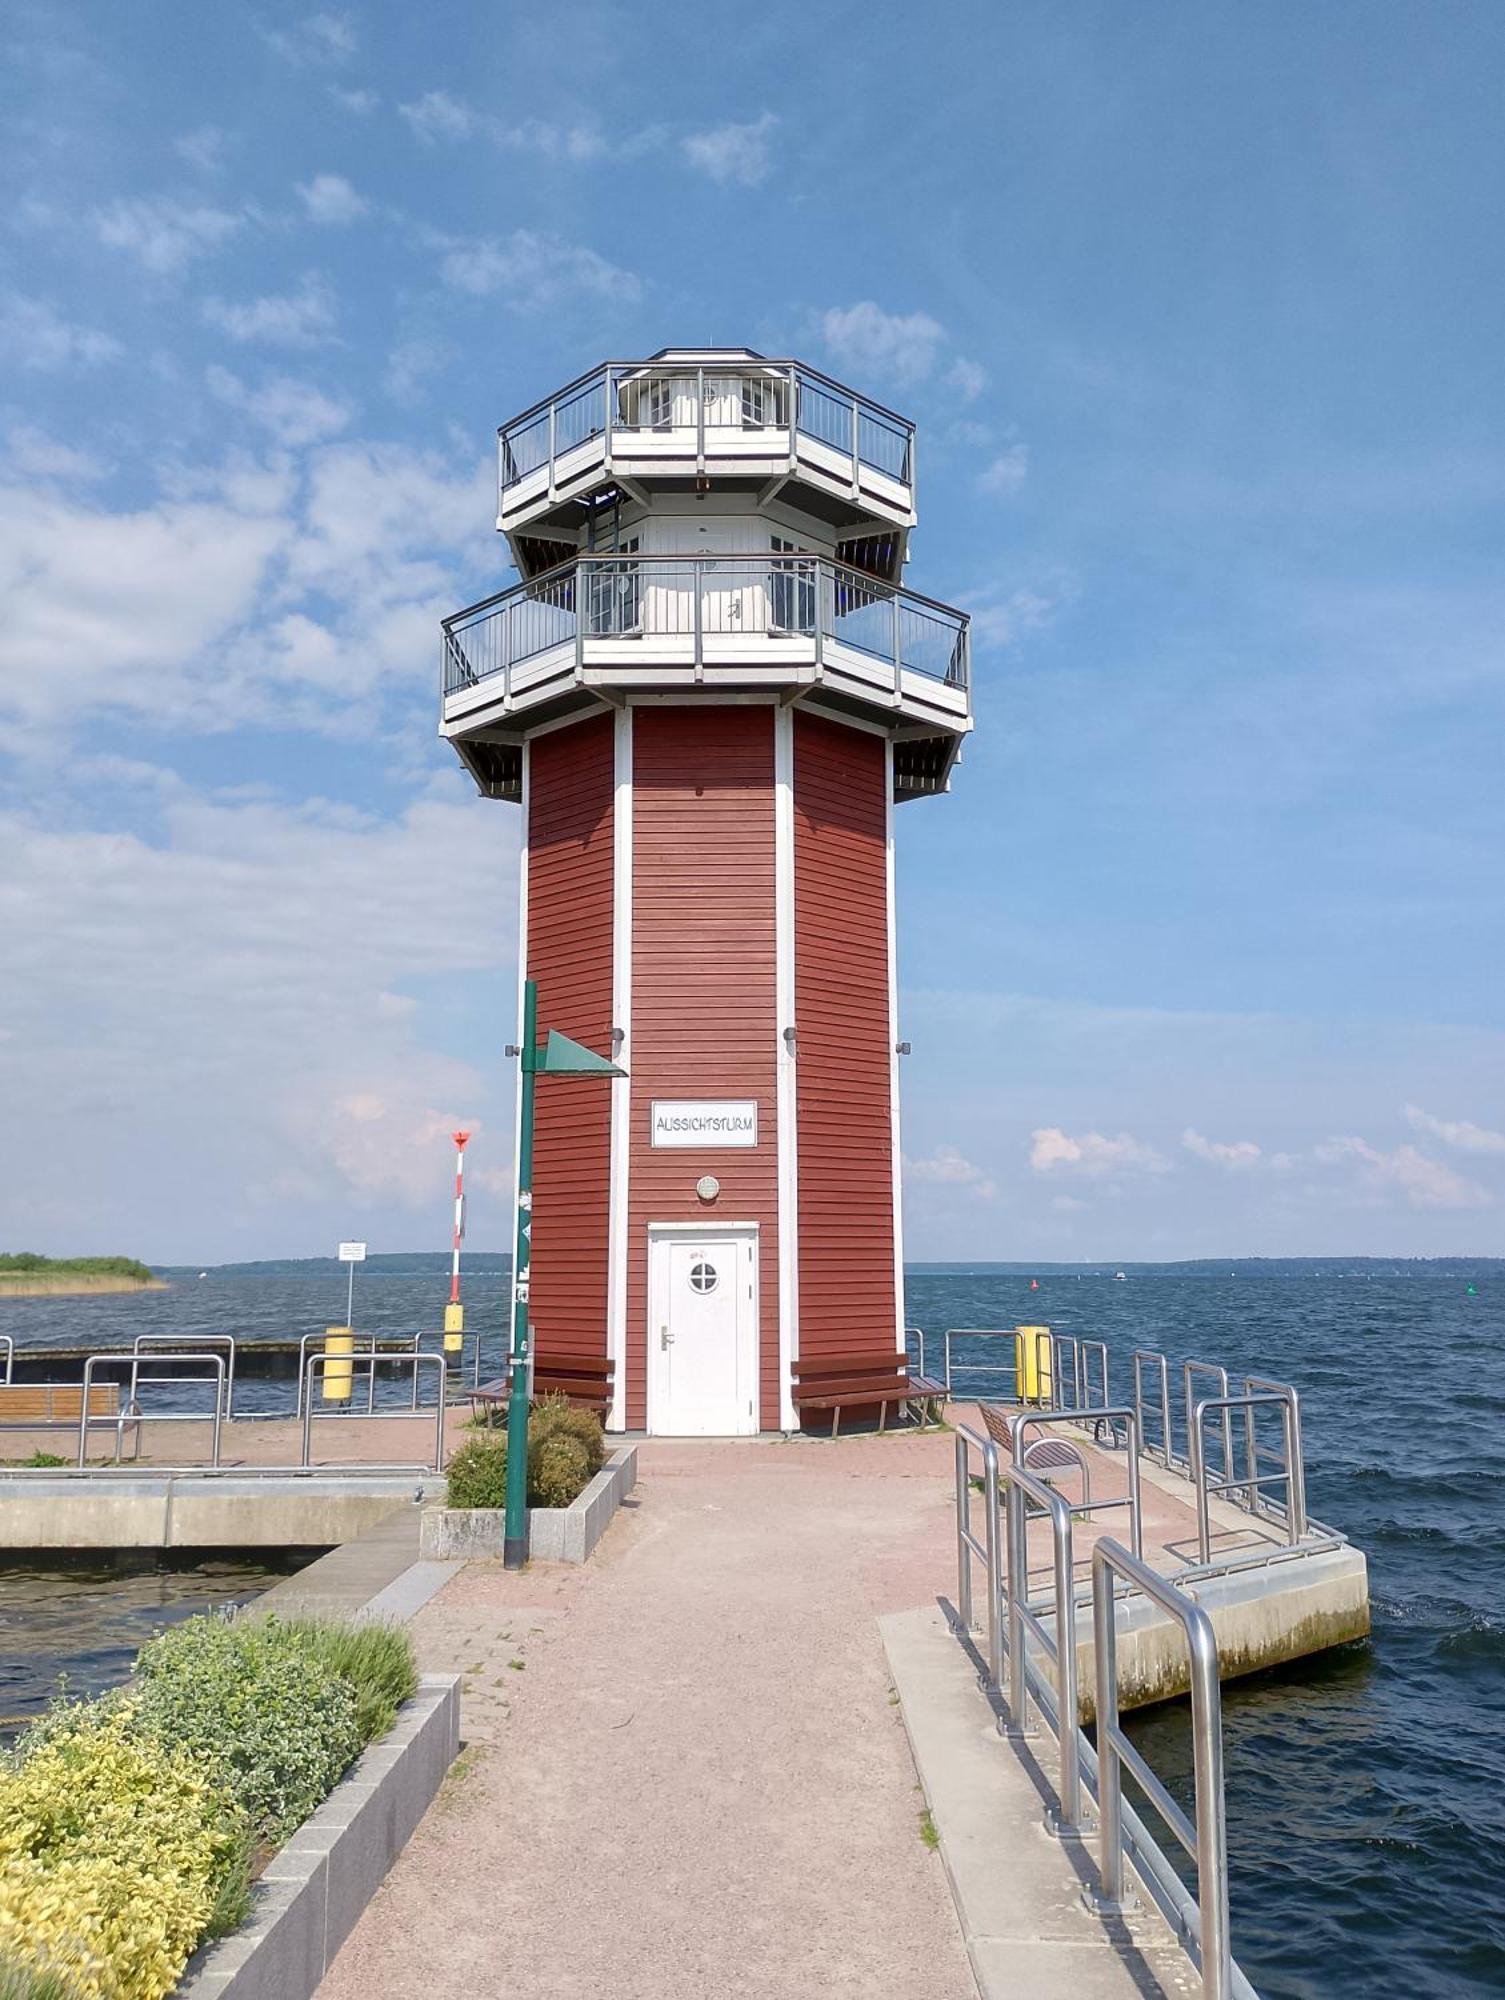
(686, 1773)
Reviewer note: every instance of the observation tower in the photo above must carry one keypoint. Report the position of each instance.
(707, 693)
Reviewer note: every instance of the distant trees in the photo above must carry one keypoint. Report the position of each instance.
(27, 1263)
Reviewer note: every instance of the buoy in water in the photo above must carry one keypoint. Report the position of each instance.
(1034, 1285)
(1473, 1291)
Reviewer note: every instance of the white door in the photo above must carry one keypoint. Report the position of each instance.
(702, 1332)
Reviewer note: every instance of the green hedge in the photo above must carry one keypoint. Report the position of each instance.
(566, 1449)
(128, 1823)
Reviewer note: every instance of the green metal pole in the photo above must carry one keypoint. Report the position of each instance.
(515, 1534)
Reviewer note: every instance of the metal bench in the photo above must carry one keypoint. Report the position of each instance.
(1045, 1455)
(587, 1383)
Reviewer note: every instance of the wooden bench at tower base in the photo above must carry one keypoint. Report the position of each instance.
(587, 1383)
(57, 1406)
(838, 1382)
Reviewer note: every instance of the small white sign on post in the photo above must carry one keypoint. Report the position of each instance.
(352, 1253)
(730, 1121)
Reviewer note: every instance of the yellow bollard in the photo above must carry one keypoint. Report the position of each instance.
(454, 1328)
(338, 1371)
(1032, 1364)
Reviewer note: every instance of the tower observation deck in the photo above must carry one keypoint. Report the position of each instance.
(707, 691)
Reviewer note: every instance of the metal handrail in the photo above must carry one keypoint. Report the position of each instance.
(779, 596)
(1060, 1344)
(1292, 1474)
(1100, 1349)
(1206, 1839)
(593, 406)
(317, 1363)
(1121, 1415)
(967, 1545)
(172, 1341)
(1065, 1818)
(1165, 1450)
(917, 1335)
(1008, 1333)
(10, 1355)
(125, 1416)
(398, 1346)
(1220, 1378)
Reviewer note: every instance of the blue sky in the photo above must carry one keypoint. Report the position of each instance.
(1199, 313)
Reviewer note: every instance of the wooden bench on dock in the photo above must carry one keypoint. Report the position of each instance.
(838, 1382)
(57, 1406)
(587, 1383)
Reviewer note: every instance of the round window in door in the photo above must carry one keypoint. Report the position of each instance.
(703, 1277)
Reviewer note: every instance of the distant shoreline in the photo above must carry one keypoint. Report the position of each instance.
(37, 1285)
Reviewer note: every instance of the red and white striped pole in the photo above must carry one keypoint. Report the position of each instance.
(454, 1312)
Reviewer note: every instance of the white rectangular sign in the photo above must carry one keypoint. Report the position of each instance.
(714, 1121)
(352, 1253)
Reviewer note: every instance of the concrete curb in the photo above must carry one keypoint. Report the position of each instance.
(313, 1890)
(555, 1534)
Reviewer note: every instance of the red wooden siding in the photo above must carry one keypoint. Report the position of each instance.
(703, 992)
(841, 1006)
(570, 876)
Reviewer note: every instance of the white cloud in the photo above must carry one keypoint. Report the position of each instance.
(331, 198)
(1092, 1154)
(412, 361)
(946, 1167)
(361, 102)
(901, 347)
(1221, 1152)
(1001, 617)
(296, 413)
(967, 378)
(316, 40)
(533, 270)
(578, 144)
(436, 115)
(33, 334)
(204, 149)
(32, 453)
(216, 933)
(163, 233)
(1007, 471)
(1456, 1132)
(304, 318)
(733, 155)
(1420, 1181)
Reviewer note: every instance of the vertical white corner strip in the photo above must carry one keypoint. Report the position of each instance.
(788, 1092)
(893, 1048)
(517, 1091)
(618, 1223)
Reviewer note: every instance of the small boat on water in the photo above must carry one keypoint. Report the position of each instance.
(1120, 1277)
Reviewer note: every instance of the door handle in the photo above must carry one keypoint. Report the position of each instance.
(665, 1338)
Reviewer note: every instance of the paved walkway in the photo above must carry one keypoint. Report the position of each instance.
(687, 1772)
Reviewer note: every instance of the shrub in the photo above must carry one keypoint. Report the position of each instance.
(274, 1724)
(116, 1854)
(25, 1982)
(478, 1472)
(375, 1661)
(557, 1416)
(558, 1469)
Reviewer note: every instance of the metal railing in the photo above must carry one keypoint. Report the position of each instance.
(1023, 1487)
(316, 1365)
(968, 1547)
(1290, 1472)
(1206, 1837)
(1165, 1450)
(125, 1415)
(1009, 1368)
(10, 1354)
(369, 1348)
(917, 1335)
(636, 408)
(178, 1344)
(1108, 1418)
(770, 599)
(1219, 1378)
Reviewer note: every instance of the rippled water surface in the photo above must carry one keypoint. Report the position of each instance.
(1366, 1790)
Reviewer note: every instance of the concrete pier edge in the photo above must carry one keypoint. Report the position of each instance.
(1017, 1890)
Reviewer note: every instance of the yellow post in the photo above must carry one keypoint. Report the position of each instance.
(1032, 1364)
(454, 1328)
(339, 1368)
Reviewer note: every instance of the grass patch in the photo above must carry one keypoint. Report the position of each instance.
(929, 1831)
(376, 1660)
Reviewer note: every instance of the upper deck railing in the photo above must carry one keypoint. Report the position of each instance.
(721, 609)
(646, 408)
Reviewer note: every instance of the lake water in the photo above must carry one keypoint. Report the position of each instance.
(1366, 1791)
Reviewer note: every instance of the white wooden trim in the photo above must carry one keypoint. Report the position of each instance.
(893, 1048)
(787, 1094)
(621, 1088)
